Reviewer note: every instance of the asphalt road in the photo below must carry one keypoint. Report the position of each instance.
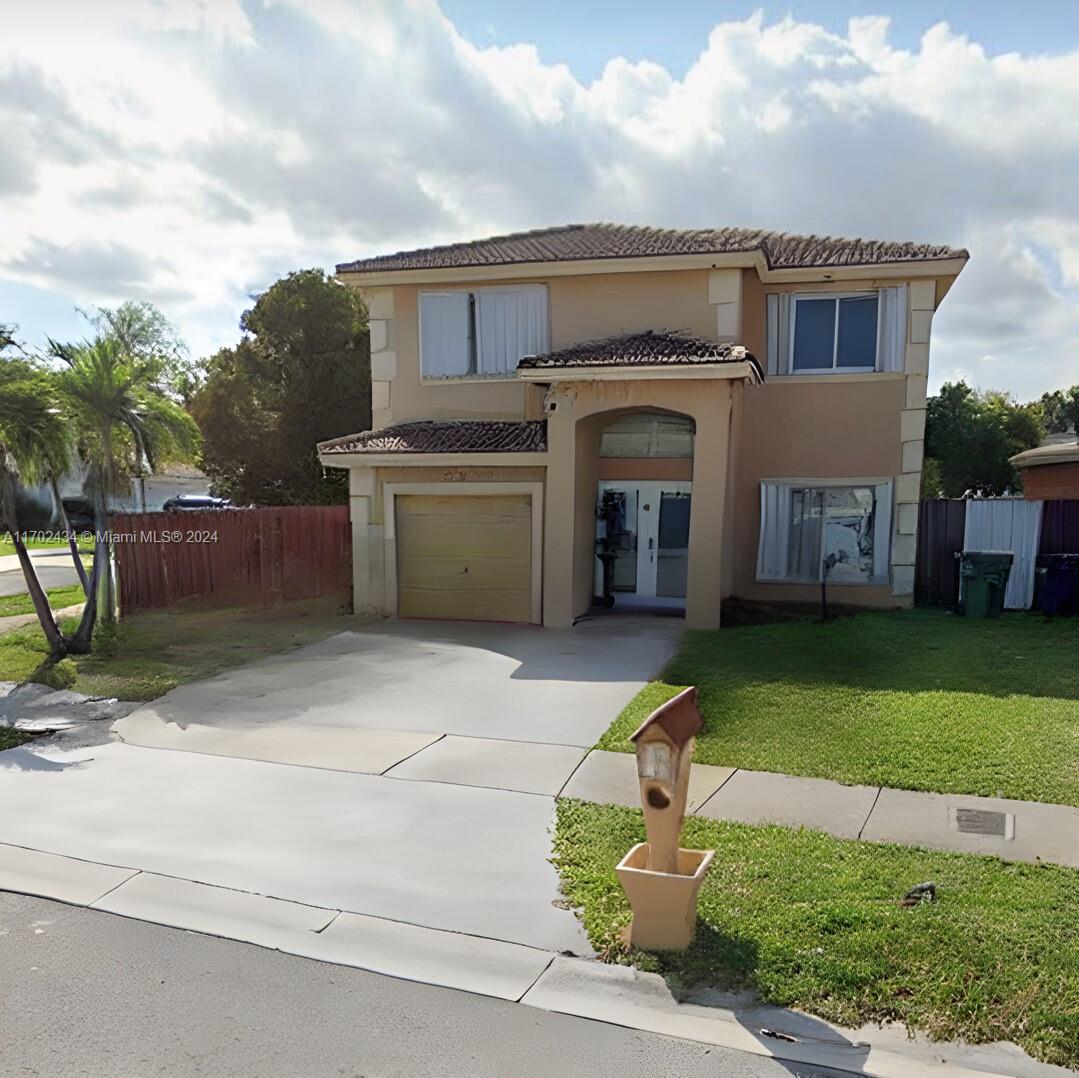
(54, 570)
(87, 993)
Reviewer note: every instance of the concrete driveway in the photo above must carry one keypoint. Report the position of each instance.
(462, 734)
(356, 700)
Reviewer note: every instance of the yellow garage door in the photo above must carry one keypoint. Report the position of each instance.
(464, 556)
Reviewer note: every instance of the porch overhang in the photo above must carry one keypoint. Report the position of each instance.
(440, 460)
(741, 371)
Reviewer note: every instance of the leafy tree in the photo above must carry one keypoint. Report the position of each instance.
(33, 440)
(301, 375)
(1061, 410)
(969, 437)
(125, 425)
(932, 483)
(146, 335)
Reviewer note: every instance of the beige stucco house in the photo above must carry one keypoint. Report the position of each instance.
(645, 417)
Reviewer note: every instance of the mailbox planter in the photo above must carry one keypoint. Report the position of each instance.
(664, 903)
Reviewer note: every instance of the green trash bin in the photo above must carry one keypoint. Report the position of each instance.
(983, 579)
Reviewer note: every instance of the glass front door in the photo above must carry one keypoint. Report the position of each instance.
(643, 529)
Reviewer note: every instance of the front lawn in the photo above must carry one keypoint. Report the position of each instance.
(916, 699)
(58, 599)
(813, 922)
(154, 652)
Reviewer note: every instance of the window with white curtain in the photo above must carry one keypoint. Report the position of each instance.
(838, 531)
(484, 332)
(836, 333)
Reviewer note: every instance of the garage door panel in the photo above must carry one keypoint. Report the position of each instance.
(492, 605)
(447, 574)
(432, 537)
(464, 556)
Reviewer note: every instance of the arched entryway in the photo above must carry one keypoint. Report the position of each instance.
(644, 472)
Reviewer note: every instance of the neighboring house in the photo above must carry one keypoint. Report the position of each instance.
(721, 411)
(1051, 470)
(145, 494)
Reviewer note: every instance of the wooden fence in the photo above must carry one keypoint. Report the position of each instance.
(941, 532)
(233, 557)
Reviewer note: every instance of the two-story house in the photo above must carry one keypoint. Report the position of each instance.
(652, 417)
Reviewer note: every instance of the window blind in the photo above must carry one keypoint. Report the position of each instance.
(444, 334)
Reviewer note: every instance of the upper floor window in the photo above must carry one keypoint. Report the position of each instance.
(837, 332)
(834, 333)
(486, 331)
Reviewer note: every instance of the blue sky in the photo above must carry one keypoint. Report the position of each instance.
(190, 152)
(584, 34)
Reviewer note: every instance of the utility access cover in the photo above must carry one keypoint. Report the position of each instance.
(982, 822)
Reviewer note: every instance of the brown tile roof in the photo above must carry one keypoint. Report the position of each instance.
(648, 349)
(567, 243)
(447, 436)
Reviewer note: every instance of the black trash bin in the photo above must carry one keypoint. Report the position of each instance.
(1060, 588)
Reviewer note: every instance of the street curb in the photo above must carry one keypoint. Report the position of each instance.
(585, 988)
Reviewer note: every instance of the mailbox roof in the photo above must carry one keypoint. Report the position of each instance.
(679, 718)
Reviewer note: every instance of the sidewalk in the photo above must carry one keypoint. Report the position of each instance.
(428, 872)
(41, 556)
(1011, 830)
(532, 976)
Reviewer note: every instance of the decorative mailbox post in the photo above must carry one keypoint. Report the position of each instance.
(662, 880)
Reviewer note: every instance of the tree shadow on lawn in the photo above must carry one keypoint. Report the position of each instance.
(908, 651)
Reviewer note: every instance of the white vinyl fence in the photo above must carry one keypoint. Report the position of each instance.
(1008, 524)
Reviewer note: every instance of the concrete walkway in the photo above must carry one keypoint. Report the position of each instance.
(535, 977)
(414, 839)
(17, 621)
(1011, 830)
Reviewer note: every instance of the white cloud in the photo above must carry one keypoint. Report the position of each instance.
(193, 150)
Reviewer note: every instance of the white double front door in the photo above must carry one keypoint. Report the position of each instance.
(646, 525)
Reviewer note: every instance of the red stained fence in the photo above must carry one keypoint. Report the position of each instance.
(233, 557)
(941, 524)
(941, 528)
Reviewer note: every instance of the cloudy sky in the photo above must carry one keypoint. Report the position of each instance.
(192, 151)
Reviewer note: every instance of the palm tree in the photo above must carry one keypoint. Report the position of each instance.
(51, 477)
(124, 424)
(33, 441)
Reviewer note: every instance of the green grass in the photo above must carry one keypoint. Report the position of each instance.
(58, 599)
(85, 543)
(916, 699)
(10, 738)
(151, 653)
(808, 921)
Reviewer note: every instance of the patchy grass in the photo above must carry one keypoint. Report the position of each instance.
(809, 921)
(915, 699)
(151, 653)
(10, 738)
(58, 599)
